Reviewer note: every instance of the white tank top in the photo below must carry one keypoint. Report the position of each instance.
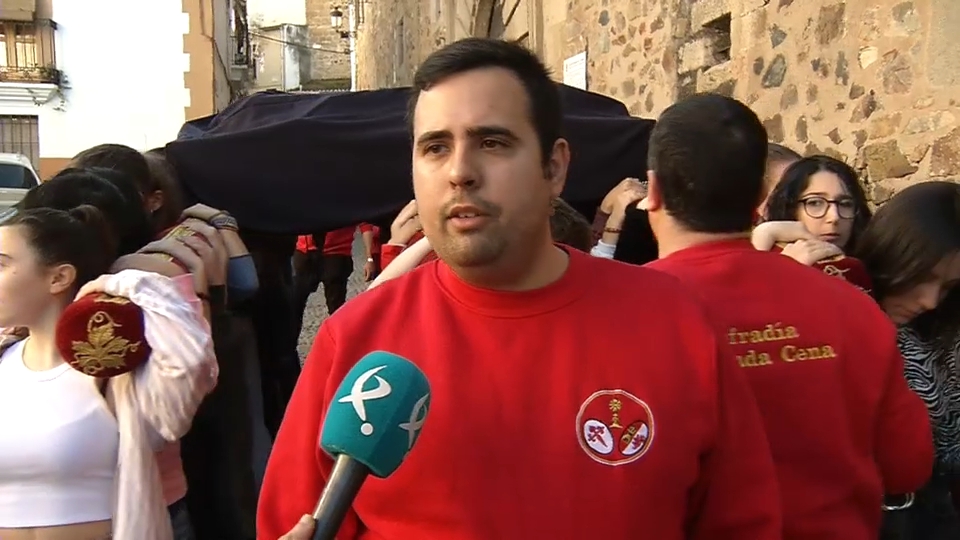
(58, 446)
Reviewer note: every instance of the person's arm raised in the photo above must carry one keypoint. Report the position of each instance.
(404, 262)
(770, 233)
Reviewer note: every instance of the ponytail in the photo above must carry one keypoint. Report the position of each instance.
(93, 219)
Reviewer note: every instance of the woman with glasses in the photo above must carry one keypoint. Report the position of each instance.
(815, 215)
(823, 194)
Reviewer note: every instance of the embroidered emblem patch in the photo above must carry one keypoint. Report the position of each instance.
(614, 427)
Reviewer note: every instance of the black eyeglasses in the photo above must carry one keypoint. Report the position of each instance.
(817, 207)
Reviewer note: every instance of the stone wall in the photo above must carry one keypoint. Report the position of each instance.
(394, 37)
(876, 83)
(330, 59)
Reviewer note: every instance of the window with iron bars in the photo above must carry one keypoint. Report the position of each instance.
(20, 134)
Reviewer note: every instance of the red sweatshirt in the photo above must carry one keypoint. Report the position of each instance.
(305, 243)
(375, 231)
(843, 267)
(338, 242)
(824, 365)
(596, 407)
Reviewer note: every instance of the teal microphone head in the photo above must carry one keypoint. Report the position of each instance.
(377, 413)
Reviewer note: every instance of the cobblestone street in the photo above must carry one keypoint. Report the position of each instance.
(316, 310)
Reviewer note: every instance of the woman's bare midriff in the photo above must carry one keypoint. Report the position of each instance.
(96, 530)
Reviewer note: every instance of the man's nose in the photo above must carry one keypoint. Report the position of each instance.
(463, 167)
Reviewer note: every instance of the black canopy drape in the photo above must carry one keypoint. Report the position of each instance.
(299, 163)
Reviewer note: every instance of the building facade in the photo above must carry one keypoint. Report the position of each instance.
(76, 74)
(282, 57)
(281, 44)
(329, 46)
(874, 83)
(267, 13)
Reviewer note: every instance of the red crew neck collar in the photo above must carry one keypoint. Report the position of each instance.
(516, 304)
(708, 249)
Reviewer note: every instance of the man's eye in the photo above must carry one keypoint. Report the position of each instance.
(433, 149)
(491, 143)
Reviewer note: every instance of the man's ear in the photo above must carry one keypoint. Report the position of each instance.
(654, 200)
(557, 166)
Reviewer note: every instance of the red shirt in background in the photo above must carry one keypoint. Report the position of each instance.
(554, 414)
(375, 231)
(390, 252)
(828, 377)
(338, 242)
(305, 243)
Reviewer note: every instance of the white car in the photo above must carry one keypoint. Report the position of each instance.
(17, 176)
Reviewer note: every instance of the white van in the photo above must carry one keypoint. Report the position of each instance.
(17, 176)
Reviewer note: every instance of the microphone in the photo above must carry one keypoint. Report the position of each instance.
(372, 423)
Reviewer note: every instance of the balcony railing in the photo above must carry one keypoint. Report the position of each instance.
(30, 75)
(28, 52)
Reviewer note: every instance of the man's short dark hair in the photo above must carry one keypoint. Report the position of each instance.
(120, 158)
(709, 153)
(778, 153)
(478, 53)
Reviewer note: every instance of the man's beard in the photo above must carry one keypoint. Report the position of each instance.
(471, 250)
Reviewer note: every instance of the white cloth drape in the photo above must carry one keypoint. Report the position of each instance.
(159, 398)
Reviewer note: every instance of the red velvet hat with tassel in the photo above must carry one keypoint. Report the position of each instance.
(843, 267)
(848, 268)
(103, 335)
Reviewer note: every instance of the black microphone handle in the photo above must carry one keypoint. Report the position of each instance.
(345, 480)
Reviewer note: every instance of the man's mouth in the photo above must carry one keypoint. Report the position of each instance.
(465, 211)
(466, 218)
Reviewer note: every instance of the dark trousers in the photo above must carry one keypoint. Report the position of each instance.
(932, 516)
(274, 334)
(180, 521)
(313, 268)
(217, 452)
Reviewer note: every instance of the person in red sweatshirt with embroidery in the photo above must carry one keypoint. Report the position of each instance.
(821, 355)
(572, 397)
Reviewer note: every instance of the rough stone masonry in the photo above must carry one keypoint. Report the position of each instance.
(875, 83)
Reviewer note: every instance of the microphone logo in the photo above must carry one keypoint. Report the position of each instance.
(418, 415)
(358, 396)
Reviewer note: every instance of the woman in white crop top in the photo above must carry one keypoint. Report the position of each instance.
(58, 438)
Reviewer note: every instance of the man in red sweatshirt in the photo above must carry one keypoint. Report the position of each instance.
(572, 397)
(821, 356)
